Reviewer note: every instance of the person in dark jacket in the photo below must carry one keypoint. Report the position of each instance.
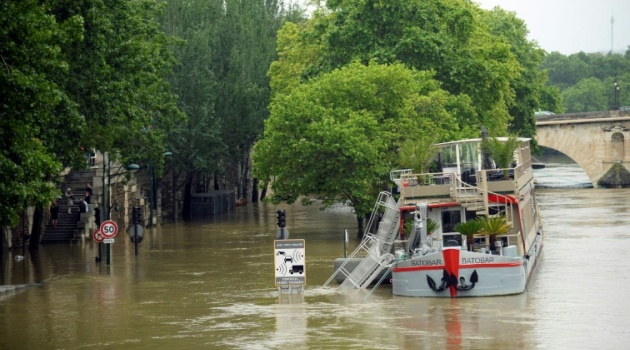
(54, 213)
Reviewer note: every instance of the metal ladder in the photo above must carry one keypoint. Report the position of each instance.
(375, 249)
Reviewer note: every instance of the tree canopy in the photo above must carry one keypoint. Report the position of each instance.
(221, 80)
(478, 68)
(36, 112)
(336, 136)
(76, 76)
(586, 80)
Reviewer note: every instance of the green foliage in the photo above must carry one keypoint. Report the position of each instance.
(483, 67)
(77, 75)
(417, 154)
(502, 152)
(221, 79)
(31, 108)
(493, 225)
(432, 226)
(530, 91)
(336, 136)
(447, 37)
(117, 76)
(586, 96)
(469, 228)
(586, 79)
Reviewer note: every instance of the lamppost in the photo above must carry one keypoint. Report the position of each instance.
(616, 101)
(152, 192)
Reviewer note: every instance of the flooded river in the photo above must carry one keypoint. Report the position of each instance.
(210, 285)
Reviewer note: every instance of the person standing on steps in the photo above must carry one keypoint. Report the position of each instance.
(83, 207)
(88, 193)
(69, 199)
(54, 213)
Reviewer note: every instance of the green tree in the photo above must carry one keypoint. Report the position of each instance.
(447, 37)
(117, 77)
(222, 84)
(573, 75)
(39, 121)
(336, 136)
(586, 96)
(530, 90)
(565, 71)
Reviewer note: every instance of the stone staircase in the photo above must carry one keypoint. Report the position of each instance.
(71, 226)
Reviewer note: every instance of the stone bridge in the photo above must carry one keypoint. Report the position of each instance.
(596, 141)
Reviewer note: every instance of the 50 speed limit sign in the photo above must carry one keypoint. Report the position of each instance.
(109, 229)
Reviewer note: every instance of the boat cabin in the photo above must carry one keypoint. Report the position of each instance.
(465, 183)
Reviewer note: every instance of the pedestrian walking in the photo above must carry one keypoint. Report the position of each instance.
(54, 213)
(69, 199)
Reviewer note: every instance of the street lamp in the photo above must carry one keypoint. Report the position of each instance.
(152, 195)
(616, 101)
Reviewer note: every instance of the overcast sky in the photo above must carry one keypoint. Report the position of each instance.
(571, 26)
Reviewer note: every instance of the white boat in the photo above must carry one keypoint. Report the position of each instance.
(444, 263)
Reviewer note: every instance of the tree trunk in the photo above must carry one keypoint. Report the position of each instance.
(36, 234)
(359, 227)
(255, 191)
(263, 193)
(186, 212)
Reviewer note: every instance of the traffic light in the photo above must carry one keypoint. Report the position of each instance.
(137, 215)
(97, 217)
(282, 222)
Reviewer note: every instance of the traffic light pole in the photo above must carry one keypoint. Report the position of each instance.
(136, 221)
(282, 222)
(108, 214)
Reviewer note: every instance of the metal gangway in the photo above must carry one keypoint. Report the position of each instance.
(375, 249)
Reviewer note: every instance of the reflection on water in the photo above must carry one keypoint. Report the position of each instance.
(211, 285)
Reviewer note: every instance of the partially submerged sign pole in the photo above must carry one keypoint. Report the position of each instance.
(290, 265)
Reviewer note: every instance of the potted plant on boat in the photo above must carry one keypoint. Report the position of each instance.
(432, 226)
(492, 226)
(408, 227)
(417, 154)
(502, 152)
(469, 229)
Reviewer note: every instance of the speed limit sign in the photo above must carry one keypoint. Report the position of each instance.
(109, 229)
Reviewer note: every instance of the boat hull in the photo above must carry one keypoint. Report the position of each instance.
(454, 273)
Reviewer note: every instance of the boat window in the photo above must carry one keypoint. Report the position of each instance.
(448, 156)
(469, 156)
(450, 218)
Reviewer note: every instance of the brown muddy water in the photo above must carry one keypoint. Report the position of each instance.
(210, 285)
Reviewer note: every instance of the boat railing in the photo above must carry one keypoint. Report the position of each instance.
(426, 179)
(397, 175)
(475, 197)
(480, 199)
(512, 239)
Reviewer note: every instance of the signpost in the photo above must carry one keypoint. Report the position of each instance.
(290, 264)
(109, 230)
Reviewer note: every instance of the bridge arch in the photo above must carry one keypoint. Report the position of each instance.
(599, 142)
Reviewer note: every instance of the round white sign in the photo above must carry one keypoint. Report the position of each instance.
(109, 229)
